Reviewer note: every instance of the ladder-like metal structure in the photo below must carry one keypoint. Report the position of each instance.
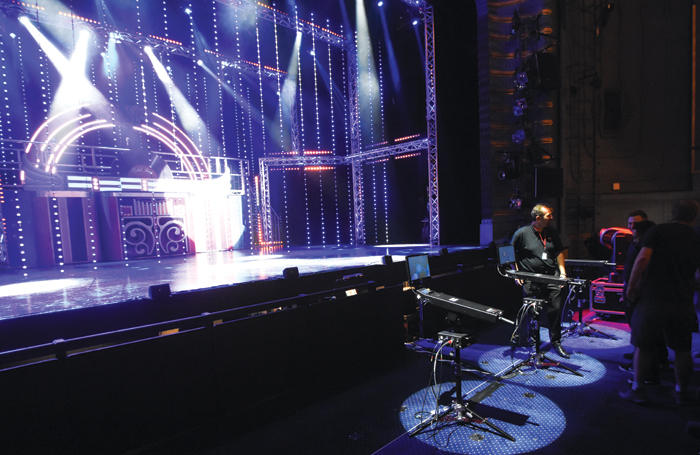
(357, 158)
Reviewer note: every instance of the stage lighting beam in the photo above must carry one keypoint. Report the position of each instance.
(393, 65)
(75, 89)
(367, 79)
(191, 121)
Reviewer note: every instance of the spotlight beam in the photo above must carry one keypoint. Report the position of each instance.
(393, 66)
(256, 114)
(75, 90)
(367, 80)
(190, 119)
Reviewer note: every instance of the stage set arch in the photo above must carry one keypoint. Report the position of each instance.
(133, 131)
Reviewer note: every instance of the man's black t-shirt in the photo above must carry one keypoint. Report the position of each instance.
(530, 246)
(670, 274)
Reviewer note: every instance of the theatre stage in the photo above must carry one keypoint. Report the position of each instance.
(51, 289)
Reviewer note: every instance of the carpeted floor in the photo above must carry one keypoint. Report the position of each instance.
(546, 410)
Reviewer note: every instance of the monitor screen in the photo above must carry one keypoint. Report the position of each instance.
(506, 255)
(418, 267)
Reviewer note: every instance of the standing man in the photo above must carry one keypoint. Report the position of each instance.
(634, 216)
(538, 249)
(662, 283)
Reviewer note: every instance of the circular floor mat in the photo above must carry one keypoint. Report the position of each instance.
(530, 417)
(554, 371)
(596, 336)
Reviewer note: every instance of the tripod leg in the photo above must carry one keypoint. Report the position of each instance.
(593, 329)
(474, 415)
(544, 357)
(434, 419)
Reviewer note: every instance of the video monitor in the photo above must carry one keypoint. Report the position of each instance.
(418, 267)
(506, 255)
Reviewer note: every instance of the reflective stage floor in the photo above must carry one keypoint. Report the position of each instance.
(45, 290)
(547, 411)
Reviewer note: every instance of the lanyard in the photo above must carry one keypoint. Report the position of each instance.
(543, 240)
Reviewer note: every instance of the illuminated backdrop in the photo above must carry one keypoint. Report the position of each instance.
(191, 89)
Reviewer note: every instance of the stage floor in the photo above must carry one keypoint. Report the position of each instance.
(45, 290)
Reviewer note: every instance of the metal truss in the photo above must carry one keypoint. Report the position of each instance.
(431, 115)
(355, 145)
(358, 207)
(355, 161)
(392, 150)
(158, 45)
(265, 197)
(264, 169)
(294, 127)
(357, 158)
(304, 160)
(284, 20)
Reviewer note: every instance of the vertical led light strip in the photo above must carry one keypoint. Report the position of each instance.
(249, 150)
(91, 216)
(98, 161)
(318, 136)
(112, 87)
(382, 139)
(92, 219)
(7, 177)
(237, 79)
(222, 150)
(313, 55)
(202, 127)
(386, 202)
(374, 201)
(306, 205)
(381, 94)
(154, 203)
(120, 200)
(56, 230)
(370, 98)
(44, 78)
(300, 105)
(279, 88)
(333, 144)
(18, 207)
(23, 83)
(180, 163)
(260, 86)
(281, 138)
(370, 94)
(693, 97)
(346, 124)
(3, 151)
(20, 231)
(195, 90)
(56, 227)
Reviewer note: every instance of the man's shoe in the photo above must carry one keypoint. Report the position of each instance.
(682, 398)
(653, 380)
(560, 350)
(635, 396)
(627, 367)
